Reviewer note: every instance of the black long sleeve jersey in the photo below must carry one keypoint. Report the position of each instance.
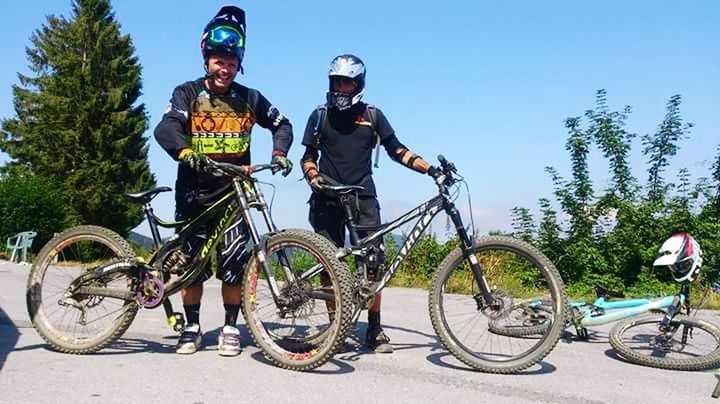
(218, 125)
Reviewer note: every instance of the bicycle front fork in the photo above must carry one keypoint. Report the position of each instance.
(485, 298)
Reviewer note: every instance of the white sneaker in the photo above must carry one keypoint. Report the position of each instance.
(229, 341)
(190, 340)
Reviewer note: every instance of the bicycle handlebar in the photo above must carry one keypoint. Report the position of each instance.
(234, 170)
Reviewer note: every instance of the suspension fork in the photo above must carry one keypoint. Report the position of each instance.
(270, 224)
(468, 250)
(259, 248)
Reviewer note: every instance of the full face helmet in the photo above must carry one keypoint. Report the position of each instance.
(225, 34)
(351, 67)
(682, 255)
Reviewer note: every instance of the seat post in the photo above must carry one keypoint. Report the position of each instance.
(346, 202)
(150, 216)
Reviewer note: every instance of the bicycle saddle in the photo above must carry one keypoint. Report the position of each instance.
(343, 189)
(604, 292)
(146, 196)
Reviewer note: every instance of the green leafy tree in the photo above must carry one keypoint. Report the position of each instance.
(663, 145)
(548, 238)
(607, 128)
(523, 224)
(578, 145)
(78, 122)
(716, 181)
(31, 203)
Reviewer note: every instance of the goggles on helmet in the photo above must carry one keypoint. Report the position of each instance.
(225, 36)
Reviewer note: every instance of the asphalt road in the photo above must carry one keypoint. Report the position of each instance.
(142, 366)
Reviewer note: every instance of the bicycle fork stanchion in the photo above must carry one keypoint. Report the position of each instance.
(263, 207)
(259, 245)
(469, 253)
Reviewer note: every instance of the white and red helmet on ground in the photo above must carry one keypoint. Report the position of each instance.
(682, 255)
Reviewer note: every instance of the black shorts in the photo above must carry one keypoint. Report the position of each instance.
(231, 254)
(327, 216)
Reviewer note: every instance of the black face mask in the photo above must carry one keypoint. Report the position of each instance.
(341, 101)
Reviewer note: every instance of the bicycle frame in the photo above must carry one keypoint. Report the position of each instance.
(425, 212)
(231, 208)
(230, 213)
(629, 308)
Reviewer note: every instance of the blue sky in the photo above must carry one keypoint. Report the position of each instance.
(487, 84)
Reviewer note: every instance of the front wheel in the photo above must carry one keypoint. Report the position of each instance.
(516, 273)
(686, 343)
(303, 327)
(71, 321)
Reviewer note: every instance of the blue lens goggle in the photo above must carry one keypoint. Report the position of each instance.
(226, 35)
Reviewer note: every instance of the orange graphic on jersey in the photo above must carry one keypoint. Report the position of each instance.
(222, 122)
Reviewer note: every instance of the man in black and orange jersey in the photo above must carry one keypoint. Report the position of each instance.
(213, 117)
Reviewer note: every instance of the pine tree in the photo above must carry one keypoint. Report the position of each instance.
(77, 119)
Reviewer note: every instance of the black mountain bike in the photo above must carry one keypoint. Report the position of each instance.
(477, 283)
(87, 284)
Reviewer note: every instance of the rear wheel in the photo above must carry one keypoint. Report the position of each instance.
(516, 273)
(69, 321)
(686, 343)
(305, 330)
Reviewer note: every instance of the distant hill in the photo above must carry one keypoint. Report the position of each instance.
(141, 240)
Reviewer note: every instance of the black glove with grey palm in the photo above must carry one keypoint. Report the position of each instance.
(284, 163)
(197, 161)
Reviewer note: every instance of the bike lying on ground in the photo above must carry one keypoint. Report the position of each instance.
(86, 285)
(477, 282)
(650, 332)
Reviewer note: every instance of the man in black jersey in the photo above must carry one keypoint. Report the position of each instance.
(338, 140)
(213, 117)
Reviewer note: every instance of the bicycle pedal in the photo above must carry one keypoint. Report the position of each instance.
(176, 321)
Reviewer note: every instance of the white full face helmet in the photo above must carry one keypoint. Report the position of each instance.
(352, 67)
(682, 255)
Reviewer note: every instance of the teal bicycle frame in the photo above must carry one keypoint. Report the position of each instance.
(602, 311)
(630, 308)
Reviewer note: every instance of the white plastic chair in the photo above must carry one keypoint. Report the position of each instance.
(19, 244)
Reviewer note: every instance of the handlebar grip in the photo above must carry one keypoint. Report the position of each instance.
(442, 159)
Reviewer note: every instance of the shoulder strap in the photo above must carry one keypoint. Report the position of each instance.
(372, 115)
(321, 113)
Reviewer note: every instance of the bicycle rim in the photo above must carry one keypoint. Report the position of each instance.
(306, 334)
(687, 343)
(517, 273)
(79, 323)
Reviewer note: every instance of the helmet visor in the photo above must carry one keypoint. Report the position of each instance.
(226, 36)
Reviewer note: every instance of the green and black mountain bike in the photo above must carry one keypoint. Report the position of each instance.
(87, 284)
